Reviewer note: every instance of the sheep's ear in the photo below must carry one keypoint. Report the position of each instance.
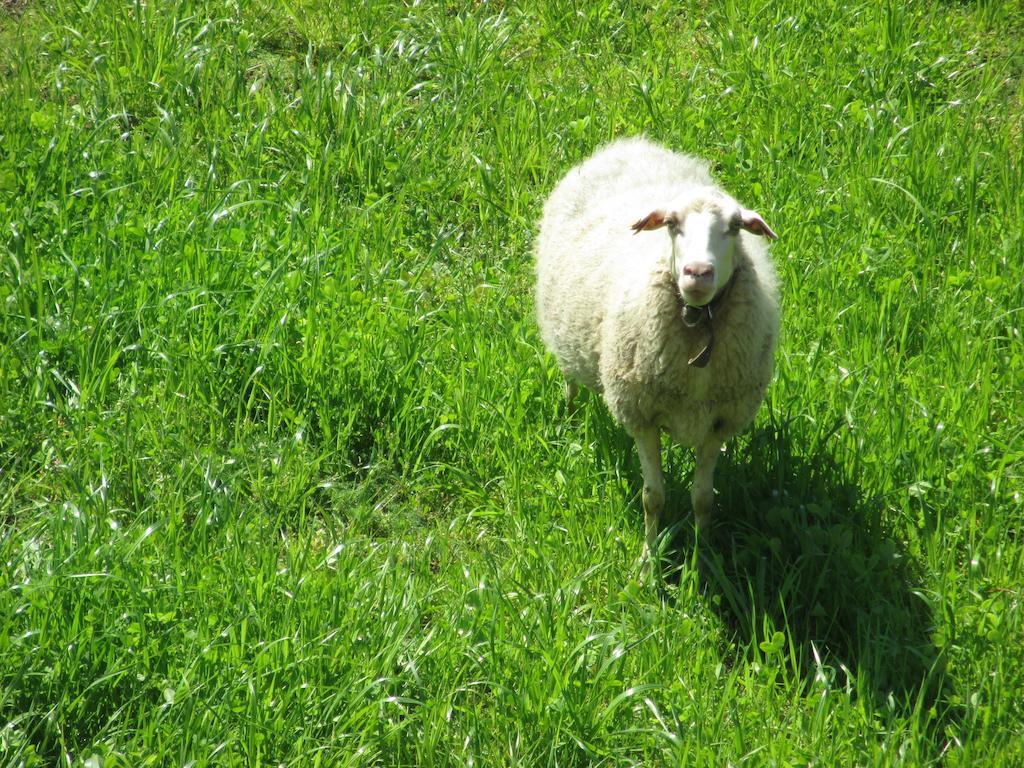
(753, 223)
(652, 220)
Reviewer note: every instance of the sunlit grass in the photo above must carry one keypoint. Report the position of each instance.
(284, 477)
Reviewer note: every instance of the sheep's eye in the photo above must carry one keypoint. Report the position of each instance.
(673, 223)
(734, 225)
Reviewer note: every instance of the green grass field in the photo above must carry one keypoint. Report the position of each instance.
(284, 478)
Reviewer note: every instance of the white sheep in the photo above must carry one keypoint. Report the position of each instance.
(675, 329)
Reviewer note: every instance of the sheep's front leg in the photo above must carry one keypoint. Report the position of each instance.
(703, 492)
(648, 445)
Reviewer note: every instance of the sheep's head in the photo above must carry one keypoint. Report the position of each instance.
(704, 232)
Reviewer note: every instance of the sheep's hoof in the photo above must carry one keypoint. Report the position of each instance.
(649, 567)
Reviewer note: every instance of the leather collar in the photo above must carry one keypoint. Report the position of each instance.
(694, 317)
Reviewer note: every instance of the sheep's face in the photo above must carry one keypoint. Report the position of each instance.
(703, 252)
(703, 236)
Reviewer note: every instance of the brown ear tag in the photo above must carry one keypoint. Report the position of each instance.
(652, 220)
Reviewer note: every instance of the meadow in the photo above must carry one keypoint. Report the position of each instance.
(284, 474)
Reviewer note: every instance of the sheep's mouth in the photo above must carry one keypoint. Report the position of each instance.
(697, 297)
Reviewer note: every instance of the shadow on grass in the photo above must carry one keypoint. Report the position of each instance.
(796, 548)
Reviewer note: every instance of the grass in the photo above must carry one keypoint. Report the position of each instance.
(283, 477)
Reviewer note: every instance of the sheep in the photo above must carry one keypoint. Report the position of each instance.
(675, 329)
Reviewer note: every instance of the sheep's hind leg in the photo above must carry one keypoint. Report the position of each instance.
(703, 492)
(648, 446)
(571, 390)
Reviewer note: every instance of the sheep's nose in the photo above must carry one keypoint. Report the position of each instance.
(698, 269)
